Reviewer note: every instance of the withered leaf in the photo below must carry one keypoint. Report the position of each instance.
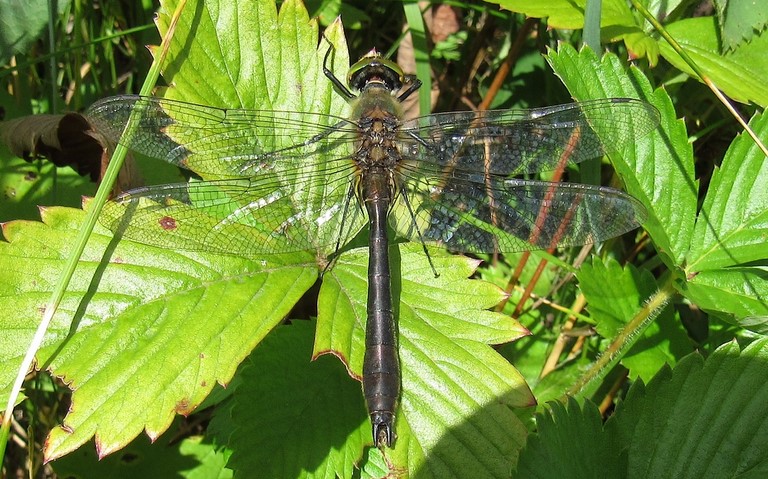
(66, 140)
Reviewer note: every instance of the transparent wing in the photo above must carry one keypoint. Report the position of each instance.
(482, 215)
(512, 142)
(246, 216)
(284, 177)
(215, 141)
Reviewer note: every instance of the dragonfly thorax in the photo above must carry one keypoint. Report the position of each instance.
(377, 116)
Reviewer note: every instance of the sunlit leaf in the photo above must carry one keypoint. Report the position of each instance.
(656, 169)
(456, 388)
(732, 226)
(137, 344)
(739, 73)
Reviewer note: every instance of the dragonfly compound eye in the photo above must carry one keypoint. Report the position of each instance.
(373, 68)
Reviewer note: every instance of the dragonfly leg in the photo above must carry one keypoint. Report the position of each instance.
(350, 194)
(414, 86)
(329, 74)
(407, 202)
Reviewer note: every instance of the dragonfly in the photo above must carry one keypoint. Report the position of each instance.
(285, 181)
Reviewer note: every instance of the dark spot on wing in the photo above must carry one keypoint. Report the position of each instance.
(167, 223)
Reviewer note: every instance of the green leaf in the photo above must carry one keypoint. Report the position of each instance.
(569, 443)
(739, 74)
(617, 21)
(143, 344)
(704, 419)
(725, 272)
(457, 391)
(569, 15)
(170, 325)
(740, 21)
(737, 294)
(291, 408)
(243, 54)
(374, 465)
(733, 223)
(552, 385)
(658, 170)
(190, 458)
(615, 295)
(25, 185)
(640, 45)
(23, 23)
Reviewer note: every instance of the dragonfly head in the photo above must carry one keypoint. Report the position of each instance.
(373, 69)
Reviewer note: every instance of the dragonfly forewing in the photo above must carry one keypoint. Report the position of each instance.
(512, 142)
(217, 142)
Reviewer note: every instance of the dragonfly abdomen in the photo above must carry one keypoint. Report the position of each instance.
(381, 368)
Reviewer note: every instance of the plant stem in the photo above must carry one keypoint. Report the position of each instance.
(588, 382)
(74, 257)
